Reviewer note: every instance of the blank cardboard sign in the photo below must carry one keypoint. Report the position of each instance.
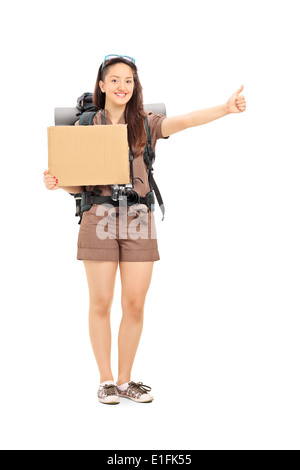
(89, 155)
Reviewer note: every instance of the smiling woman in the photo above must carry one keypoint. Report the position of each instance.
(118, 95)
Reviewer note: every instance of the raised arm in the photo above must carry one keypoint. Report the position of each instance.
(174, 124)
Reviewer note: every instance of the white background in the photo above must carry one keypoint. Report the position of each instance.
(220, 346)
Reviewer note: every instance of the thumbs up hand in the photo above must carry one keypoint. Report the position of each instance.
(237, 102)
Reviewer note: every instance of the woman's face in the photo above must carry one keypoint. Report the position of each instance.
(118, 84)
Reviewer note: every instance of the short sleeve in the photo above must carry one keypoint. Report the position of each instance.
(155, 122)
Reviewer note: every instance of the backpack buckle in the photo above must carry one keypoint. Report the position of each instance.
(78, 198)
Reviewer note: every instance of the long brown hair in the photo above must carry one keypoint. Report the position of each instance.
(134, 111)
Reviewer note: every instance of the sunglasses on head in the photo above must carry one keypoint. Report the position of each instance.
(114, 56)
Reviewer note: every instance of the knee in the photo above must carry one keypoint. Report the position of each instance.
(101, 306)
(133, 307)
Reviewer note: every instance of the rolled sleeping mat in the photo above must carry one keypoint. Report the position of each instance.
(67, 116)
(156, 108)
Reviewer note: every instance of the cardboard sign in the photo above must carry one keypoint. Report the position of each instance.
(89, 155)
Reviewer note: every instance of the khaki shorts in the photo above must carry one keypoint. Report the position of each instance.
(110, 233)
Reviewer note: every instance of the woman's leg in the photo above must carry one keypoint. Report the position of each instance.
(135, 279)
(101, 276)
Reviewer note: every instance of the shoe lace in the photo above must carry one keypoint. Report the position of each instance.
(110, 389)
(139, 387)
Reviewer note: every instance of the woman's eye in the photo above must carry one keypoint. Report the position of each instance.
(114, 80)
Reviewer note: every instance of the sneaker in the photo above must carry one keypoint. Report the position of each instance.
(137, 392)
(108, 394)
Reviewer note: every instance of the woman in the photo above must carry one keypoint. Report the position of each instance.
(118, 94)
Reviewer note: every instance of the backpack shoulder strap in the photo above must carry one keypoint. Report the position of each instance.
(86, 119)
(103, 121)
(149, 157)
(147, 130)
